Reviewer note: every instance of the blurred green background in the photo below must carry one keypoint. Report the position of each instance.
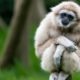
(18, 71)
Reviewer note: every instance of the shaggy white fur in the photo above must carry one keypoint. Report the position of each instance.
(48, 36)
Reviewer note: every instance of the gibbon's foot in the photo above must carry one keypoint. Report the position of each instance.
(69, 77)
(54, 76)
(64, 76)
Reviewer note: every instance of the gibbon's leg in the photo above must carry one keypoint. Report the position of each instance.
(54, 76)
(71, 56)
(70, 62)
(41, 48)
(68, 44)
(57, 55)
(47, 62)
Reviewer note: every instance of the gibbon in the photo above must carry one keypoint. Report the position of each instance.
(57, 39)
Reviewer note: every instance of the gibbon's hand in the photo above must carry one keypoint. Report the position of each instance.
(68, 44)
(72, 49)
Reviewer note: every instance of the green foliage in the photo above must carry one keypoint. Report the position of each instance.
(78, 1)
(51, 3)
(18, 72)
(6, 9)
(35, 63)
(6, 4)
(3, 33)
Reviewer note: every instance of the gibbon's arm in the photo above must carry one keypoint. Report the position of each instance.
(62, 40)
(58, 54)
(42, 39)
(68, 44)
(42, 36)
(63, 43)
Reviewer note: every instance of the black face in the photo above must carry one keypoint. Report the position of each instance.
(66, 18)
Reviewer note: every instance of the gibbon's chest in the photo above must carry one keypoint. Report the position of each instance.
(54, 33)
(74, 36)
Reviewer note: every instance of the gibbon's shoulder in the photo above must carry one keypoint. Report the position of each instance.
(49, 19)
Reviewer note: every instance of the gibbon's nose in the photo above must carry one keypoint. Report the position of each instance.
(65, 21)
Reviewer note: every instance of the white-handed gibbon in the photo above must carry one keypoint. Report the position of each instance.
(57, 39)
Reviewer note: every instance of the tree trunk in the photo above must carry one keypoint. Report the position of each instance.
(33, 17)
(16, 43)
(37, 11)
(13, 38)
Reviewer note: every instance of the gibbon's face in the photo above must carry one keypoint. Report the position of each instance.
(66, 19)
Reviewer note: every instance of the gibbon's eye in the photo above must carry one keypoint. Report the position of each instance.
(70, 17)
(63, 15)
